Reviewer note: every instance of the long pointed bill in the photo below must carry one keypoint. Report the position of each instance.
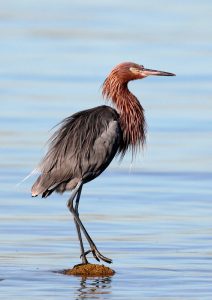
(147, 72)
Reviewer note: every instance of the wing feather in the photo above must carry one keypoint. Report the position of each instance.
(81, 148)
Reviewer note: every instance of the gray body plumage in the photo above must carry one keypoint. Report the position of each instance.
(80, 150)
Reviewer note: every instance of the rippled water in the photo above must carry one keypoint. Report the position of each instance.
(153, 217)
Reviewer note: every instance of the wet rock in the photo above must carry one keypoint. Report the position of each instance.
(90, 270)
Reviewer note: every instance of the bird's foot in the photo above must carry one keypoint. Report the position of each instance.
(84, 259)
(82, 264)
(98, 256)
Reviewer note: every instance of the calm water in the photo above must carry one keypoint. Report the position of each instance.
(153, 217)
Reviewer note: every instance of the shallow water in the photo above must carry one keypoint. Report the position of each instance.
(153, 217)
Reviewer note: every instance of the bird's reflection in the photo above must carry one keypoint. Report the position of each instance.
(93, 288)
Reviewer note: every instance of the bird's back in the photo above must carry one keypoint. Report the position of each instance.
(80, 149)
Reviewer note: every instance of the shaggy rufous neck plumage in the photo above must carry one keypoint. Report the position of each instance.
(132, 120)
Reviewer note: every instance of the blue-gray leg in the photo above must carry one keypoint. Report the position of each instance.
(83, 256)
(97, 255)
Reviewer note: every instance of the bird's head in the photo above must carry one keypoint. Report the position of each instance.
(127, 71)
(116, 82)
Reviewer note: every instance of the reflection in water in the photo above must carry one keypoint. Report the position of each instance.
(92, 287)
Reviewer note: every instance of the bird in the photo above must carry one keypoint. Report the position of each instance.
(87, 141)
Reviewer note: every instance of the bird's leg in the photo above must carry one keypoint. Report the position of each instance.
(77, 192)
(97, 255)
(83, 255)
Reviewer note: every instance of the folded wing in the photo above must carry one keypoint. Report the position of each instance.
(79, 150)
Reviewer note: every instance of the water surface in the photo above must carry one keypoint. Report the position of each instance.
(152, 216)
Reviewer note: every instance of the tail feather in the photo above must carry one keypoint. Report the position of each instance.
(47, 193)
(45, 185)
(40, 185)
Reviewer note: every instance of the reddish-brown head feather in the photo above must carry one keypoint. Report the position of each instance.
(131, 112)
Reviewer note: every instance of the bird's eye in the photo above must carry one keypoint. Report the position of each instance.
(134, 70)
(142, 67)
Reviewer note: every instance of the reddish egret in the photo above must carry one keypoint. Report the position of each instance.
(86, 142)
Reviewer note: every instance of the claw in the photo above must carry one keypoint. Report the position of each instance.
(86, 253)
(82, 264)
(97, 255)
(94, 255)
(102, 257)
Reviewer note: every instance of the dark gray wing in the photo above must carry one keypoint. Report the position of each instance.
(80, 149)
